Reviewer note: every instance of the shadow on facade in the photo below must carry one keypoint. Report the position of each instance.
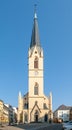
(37, 123)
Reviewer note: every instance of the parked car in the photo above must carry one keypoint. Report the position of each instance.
(67, 126)
(57, 120)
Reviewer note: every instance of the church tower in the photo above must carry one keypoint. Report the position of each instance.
(35, 106)
(35, 69)
(35, 63)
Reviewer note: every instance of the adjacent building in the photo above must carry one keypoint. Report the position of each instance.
(8, 114)
(15, 110)
(35, 106)
(63, 112)
(4, 113)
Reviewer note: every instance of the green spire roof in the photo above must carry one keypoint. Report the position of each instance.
(35, 33)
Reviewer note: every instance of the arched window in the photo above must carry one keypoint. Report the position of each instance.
(45, 106)
(36, 89)
(26, 106)
(36, 62)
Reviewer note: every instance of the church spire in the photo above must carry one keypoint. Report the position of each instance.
(35, 40)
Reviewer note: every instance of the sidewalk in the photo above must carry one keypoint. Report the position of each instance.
(9, 128)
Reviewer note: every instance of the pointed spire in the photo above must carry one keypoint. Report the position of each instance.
(19, 94)
(35, 40)
(50, 94)
(35, 16)
(50, 100)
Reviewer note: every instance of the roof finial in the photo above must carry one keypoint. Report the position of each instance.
(35, 15)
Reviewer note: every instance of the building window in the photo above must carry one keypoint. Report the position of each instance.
(45, 106)
(36, 89)
(35, 52)
(36, 62)
(26, 106)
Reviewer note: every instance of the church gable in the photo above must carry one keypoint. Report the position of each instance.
(36, 107)
(35, 58)
(36, 51)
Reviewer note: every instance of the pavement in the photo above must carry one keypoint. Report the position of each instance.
(33, 126)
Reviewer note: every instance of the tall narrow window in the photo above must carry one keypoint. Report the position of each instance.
(36, 89)
(36, 62)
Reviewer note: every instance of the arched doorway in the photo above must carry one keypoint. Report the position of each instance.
(46, 118)
(36, 116)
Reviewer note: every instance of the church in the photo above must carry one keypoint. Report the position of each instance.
(34, 106)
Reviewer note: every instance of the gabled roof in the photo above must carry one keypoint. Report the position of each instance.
(1, 100)
(26, 94)
(35, 40)
(63, 107)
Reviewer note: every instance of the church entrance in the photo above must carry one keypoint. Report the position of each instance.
(36, 116)
(46, 118)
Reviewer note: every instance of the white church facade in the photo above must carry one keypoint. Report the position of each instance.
(35, 106)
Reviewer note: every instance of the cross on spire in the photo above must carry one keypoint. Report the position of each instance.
(35, 5)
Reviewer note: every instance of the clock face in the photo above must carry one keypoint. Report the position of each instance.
(36, 72)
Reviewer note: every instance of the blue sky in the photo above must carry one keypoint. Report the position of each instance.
(55, 28)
